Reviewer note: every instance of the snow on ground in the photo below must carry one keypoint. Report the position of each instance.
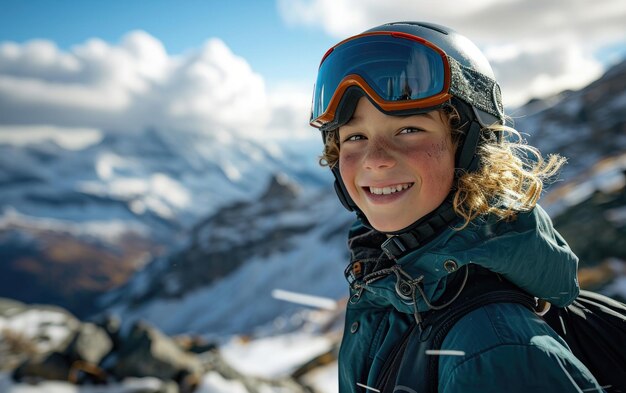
(214, 383)
(266, 358)
(270, 357)
(129, 385)
(606, 176)
(46, 329)
(274, 357)
(324, 379)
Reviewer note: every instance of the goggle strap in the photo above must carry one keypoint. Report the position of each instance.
(476, 89)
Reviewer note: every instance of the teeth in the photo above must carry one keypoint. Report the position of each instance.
(390, 189)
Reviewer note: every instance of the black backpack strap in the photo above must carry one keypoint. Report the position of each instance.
(482, 288)
(594, 327)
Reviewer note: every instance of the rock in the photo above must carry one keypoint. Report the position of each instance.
(194, 344)
(111, 324)
(54, 366)
(90, 344)
(280, 187)
(83, 372)
(148, 353)
(9, 307)
(50, 329)
(14, 350)
(56, 341)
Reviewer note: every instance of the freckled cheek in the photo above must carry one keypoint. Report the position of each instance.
(435, 162)
(427, 154)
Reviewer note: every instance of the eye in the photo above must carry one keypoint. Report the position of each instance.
(354, 137)
(410, 130)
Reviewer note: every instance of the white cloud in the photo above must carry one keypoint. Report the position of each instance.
(213, 88)
(525, 32)
(341, 18)
(131, 86)
(540, 71)
(291, 107)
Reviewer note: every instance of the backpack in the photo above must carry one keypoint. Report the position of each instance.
(593, 326)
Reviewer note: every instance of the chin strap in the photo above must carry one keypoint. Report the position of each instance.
(420, 232)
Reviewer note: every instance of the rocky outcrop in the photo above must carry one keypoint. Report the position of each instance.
(592, 218)
(33, 333)
(584, 126)
(86, 352)
(146, 352)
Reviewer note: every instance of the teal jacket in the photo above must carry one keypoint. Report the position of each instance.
(505, 347)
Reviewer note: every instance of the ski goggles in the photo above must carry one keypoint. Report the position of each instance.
(401, 73)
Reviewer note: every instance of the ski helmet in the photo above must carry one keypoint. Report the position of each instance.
(407, 68)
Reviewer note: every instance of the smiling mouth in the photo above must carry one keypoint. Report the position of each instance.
(390, 189)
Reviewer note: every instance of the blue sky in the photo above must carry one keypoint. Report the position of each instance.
(249, 66)
(252, 29)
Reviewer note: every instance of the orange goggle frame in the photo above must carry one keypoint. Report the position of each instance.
(398, 71)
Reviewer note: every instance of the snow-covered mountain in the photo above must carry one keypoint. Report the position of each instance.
(221, 281)
(590, 212)
(585, 126)
(588, 205)
(156, 179)
(75, 222)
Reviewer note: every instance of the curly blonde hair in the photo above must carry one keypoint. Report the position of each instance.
(509, 180)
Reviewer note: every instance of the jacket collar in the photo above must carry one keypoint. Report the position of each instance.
(528, 251)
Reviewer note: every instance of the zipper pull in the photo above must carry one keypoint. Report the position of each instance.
(354, 299)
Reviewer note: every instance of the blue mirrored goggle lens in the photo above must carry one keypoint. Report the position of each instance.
(395, 68)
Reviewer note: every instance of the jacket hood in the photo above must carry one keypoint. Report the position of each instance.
(527, 251)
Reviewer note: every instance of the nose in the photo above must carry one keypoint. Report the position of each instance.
(378, 156)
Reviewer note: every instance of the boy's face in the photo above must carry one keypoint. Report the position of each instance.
(396, 169)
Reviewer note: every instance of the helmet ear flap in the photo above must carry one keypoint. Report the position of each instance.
(345, 199)
(342, 192)
(466, 158)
